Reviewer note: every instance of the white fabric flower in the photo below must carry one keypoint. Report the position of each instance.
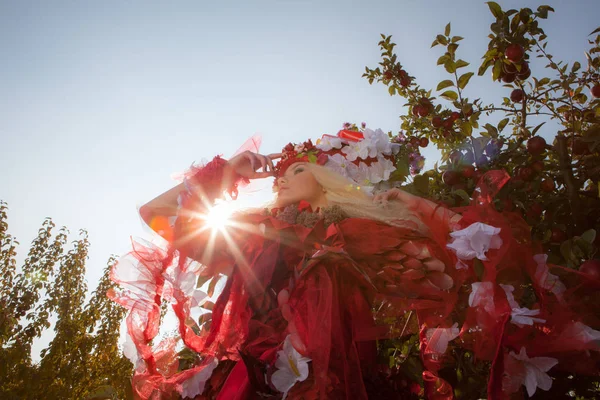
(194, 385)
(438, 338)
(291, 367)
(579, 332)
(379, 142)
(328, 142)
(356, 150)
(545, 279)
(482, 295)
(339, 164)
(520, 316)
(474, 241)
(531, 372)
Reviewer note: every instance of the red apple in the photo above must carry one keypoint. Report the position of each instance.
(537, 166)
(535, 210)
(591, 268)
(468, 171)
(526, 173)
(524, 75)
(416, 110)
(514, 52)
(547, 185)
(596, 90)
(536, 145)
(436, 122)
(424, 142)
(447, 123)
(451, 177)
(423, 111)
(509, 78)
(404, 82)
(517, 95)
(454, 116)
(509, 68)
(388, 75)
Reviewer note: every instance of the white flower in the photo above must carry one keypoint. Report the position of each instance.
(291, 367)
(339, 164)
(356, 150)
(545, 279)
(379, 142)
(474, 241)
(482, 295)
(578, 332)
(194, 385)
(328, 142)
(438, 338)
(531, 372)
(520, 316)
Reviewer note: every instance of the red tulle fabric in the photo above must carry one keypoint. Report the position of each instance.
(334, 275)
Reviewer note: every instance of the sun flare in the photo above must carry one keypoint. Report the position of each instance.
(218, 216)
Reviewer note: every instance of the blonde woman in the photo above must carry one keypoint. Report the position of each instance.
(316, 282)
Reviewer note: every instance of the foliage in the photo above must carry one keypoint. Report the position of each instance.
(83, 360)
(554, 186)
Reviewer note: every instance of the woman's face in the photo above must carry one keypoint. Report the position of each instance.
(297, 184)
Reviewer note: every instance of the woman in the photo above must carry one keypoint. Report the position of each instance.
(320, 279)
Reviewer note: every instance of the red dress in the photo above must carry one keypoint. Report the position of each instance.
(332, 285)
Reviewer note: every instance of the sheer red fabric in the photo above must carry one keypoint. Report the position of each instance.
(317, 285)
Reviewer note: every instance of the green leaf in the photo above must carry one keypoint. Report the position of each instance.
(497, 70)
(537, 128)
(464, 80)
(462, 194)
(595, 31)
(442, 39)
(502, 124)
(392, 90)
(443, 59)
(589, 236)
(492, 130)
(444, 84)
(450, 95)
(575, 66)
(484, 66)
(495, 9)
(456, 39)
(466, 128)
(461, 63)
(450, 66)
(421, 183)
(447, 30)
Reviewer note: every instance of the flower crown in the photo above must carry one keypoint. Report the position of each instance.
(367, 157)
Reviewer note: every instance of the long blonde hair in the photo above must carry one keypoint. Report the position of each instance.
(357, 203)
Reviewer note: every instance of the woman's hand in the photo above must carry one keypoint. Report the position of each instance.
(410, 200)
(248, 163)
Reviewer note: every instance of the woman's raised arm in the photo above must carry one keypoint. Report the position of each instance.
(208, 183)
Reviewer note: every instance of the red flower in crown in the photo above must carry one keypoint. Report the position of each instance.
(294, 153)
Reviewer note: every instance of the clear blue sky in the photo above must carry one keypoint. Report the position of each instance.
(101, 102)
